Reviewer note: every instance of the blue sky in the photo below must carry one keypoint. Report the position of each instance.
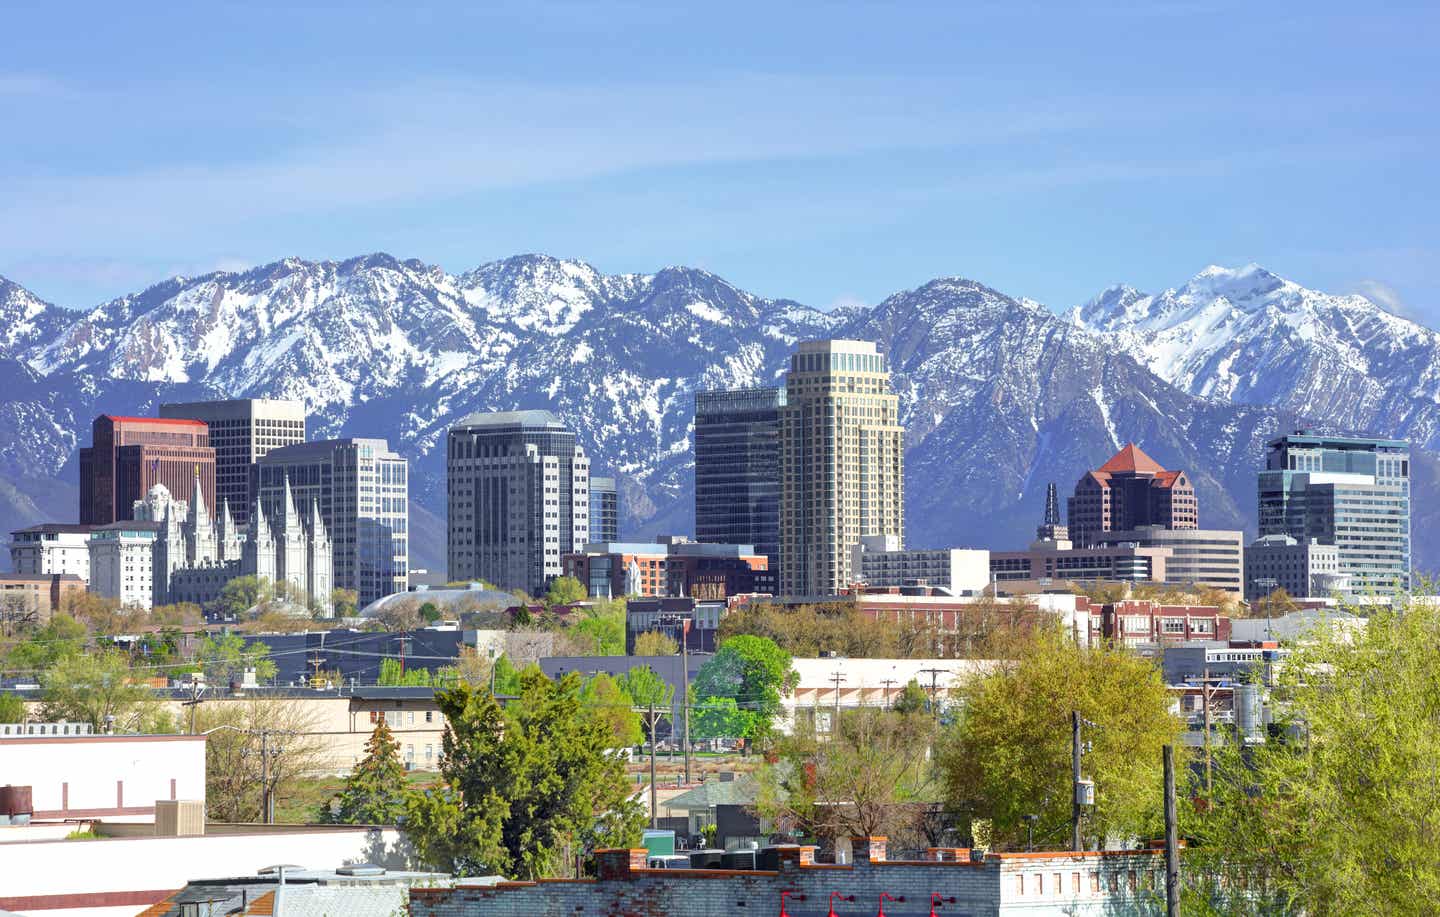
(829, 152)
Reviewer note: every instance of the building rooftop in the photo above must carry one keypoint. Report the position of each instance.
(536, 418)
(39, 577)
(166, 421)
(321, 448)
(56, 528)
(1131, 460)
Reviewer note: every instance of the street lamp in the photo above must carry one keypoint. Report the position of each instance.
(1030, 821)
(843, 897)
(936, 900)
(886, 896)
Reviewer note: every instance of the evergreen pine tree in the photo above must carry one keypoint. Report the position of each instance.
(374, 793)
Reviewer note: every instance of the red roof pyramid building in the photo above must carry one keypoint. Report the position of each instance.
(1128, 491)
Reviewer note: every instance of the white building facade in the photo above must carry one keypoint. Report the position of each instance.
(51, 548)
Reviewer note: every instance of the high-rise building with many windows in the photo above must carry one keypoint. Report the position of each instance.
(1129, 491)
(242, 430)
(842, 463)
(737, 469)
(604, 510)
(129, 455)
(361, 489)
(518, 492)
(1352, 492)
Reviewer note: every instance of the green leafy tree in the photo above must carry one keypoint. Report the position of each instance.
(755, 673)
(1008, 754)
(98, 688)
(506, 677)
(344, 601)
(12, 708)
(656, 643)
(1337, 811)
(912, 699)
(394, 674)
(244, 593)
(524, 788)
(62, 636)
(872, 775)
(646, 687)
(565, 590)
(226, 658)
(601, 629)
(718, 718)
(609, 702)
(374, 792)
(429, 612)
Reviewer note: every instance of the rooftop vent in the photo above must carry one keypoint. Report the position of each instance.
(361, 869)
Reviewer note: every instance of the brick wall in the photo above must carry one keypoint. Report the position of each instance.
(1109, 883)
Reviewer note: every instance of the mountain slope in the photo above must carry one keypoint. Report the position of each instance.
(1000, 396)
(1247, 336)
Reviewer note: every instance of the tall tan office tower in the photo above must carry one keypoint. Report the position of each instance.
(842, 463)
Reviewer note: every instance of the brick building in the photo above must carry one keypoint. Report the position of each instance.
(1118, 882)
(1134, 621)
(1128, 491)
(129, 455)
(37, 594)
(671, 566)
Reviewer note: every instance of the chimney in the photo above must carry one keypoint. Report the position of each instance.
(619, 862)
(868, 849)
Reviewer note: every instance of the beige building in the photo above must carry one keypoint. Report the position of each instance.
(1200, 557)
(342, 723)
(842, 463)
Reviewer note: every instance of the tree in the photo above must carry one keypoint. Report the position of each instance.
(12, 708)
(103, 615)
(63, 636)
(565, 590)
(601, 629)
(344, 602)
(609, 702)
(242, 594)
(524, 788)
(719, 718)
(225, 659)
(394, 674)
(656, 643)
(645, 687)
(429, 613)
(99, 688)
(755, 673)
(182, 614)
(374, 793)
(1008, 754)
(912, 699)
(1337, 810)
(871, 776)
(400, 615)
(507, 677)
(233, 788)
(1277, 604)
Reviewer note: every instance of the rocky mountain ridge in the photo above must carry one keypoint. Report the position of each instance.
(999, 394)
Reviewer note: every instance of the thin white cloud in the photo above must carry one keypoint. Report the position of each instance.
(1385, 296)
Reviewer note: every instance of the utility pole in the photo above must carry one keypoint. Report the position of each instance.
(1075, 780)
(887, 682)
(1205, 704)
(403, 640)
(265, 776)
(934, 687)
(685, 688)
(197, 691)
(839, 678)
(1172, 839)
(651, 720)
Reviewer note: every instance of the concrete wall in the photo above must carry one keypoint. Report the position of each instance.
(117, 778)
(121, 876)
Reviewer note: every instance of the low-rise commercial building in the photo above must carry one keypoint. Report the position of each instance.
(37, 596)
(671, 566)
(1111, 882)
(1135, 622)
(1304, 569)
(114, 777)
(829, 684)
(881, 563)
(1198, 557)
(696, 624)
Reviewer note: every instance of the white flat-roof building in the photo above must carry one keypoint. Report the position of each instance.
(868, 683)
(122, 561)
(52, 547)
(881, 563)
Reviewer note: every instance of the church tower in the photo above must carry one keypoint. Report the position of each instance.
(199, 530)
(227, 536)
(319, 558)
(259, 549)
(290, 548)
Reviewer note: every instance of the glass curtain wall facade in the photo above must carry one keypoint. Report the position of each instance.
(241, 431)
(604, 510)
(1352, 492)
(737, 469)
(362, 489)
(842, 463)
(518, 496)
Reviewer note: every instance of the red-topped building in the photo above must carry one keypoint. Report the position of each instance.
(1129, 491)
(129, 455)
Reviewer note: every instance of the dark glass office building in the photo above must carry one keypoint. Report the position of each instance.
(737, 469)
(604, 510)
(1352, 492)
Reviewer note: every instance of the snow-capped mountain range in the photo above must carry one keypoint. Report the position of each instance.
(1000, 395)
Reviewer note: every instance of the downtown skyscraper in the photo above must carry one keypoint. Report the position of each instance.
(518, 494)
(737, 469)
(842, 463)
